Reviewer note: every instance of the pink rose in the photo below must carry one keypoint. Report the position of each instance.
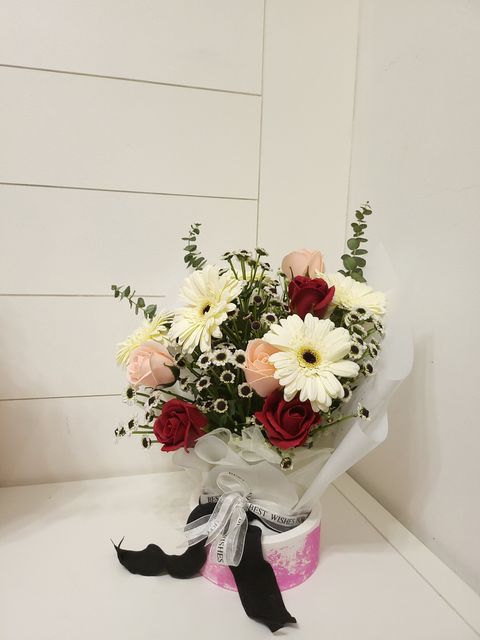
(147, 365)
(302, 263)
(258, 370)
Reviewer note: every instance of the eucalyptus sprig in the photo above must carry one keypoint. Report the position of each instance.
(193, 258)
(355, 262)
(126, 293)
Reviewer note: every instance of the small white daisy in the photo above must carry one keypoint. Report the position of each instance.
(129, 396)
(244, 390)
(227, 377)
(220, 357)
(358, 329)
(356, 351)
(203, 383)
(378, 324)
(269, 317)
(367, 369)
(373, 349)
(363, 412)
(220, 405)
(238, 358)
(132, 425)
(204, 361)
(184, 384)
(146, 442)
(347, 394)
(364, 314)
(351, 318)
(120, 431)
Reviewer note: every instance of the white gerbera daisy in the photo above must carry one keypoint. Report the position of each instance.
(311, 359)
(156, 329)
(209, 297)
(350, 294)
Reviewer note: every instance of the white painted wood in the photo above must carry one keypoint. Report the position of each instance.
(70, 439)
(62, 346)
(67, 241)
(54, 545)
(213, 43)
(308, 89)
(447, 583)
(81, 131)
(416, 154)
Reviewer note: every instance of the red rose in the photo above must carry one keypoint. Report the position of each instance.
(309, 295)
(287, 423)
(179, 425)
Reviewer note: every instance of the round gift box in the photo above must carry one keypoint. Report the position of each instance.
(293, 555)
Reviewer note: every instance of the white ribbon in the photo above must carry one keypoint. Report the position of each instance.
(225, 528)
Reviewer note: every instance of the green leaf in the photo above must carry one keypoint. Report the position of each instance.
(361, 262)
(349, 262)
(353, 243)
(126, 292)
(191, 247)
(140, 303)
(358, 215)
(361, 252)
(357, 276)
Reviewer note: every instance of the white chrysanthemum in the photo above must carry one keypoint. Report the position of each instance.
(311, 359)
(350, 294)
(209, 298)
(155, 329)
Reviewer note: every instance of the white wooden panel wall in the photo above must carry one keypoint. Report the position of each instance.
(212, 43)
(416, 155)
(309, 82)
(78, 152)
(117, 118)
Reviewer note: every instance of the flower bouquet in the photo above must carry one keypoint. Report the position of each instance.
(258, 384)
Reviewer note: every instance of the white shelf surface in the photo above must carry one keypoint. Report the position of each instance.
(60, 578)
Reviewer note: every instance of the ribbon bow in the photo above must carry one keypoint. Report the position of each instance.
(225, 528)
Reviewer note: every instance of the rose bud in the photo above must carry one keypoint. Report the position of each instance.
(287, 424)
(179, 425)
(258, 370)
(148, 365)
(310, 295)
(302, 263)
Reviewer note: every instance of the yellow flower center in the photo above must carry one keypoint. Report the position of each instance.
(308, 357)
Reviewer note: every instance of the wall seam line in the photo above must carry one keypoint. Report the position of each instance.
(352, 124)
(261, 123)
(133, 191)
(83, 74)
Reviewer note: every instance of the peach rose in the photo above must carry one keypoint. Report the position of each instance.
(302, 263)
(258, 370)
(147, 365)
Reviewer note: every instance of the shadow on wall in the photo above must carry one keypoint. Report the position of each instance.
(401, 488)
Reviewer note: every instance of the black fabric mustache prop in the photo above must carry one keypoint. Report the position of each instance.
(256, 582)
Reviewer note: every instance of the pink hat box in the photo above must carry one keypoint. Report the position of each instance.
(293, 555)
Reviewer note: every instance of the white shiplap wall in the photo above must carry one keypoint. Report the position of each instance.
(121, 123)
(416, 154)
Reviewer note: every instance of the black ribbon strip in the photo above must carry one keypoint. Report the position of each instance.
(256, 582)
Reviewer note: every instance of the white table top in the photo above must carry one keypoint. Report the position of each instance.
(60, 578)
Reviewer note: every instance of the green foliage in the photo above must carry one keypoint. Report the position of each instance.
(126, 293)
(193, 258)
(354, 263)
